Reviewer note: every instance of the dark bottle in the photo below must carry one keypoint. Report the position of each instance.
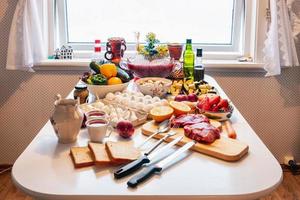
(199, 67)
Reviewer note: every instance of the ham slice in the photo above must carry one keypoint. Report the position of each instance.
(202, 132)
(189, 119)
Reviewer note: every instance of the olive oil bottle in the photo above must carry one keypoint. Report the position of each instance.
(188, 60)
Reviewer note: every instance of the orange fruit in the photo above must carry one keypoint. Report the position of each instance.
(114, 81)
(108, 70)
(161, 113)
(180, 108)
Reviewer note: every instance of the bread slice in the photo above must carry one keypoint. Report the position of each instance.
(81, 156)
(99, 153)
(121, 152)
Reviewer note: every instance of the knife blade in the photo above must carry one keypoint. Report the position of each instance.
(135, 165)
(150, 171)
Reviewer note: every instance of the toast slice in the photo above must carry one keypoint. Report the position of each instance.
(121, 152)
(81, 156)
(99, 153)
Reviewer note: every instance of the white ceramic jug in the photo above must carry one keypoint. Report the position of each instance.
(66, 119)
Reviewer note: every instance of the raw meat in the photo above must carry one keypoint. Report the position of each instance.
(189, 119)
(202, 132)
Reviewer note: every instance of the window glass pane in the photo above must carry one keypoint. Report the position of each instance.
(205, 21)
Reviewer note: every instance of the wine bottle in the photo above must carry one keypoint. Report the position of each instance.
(188, 60)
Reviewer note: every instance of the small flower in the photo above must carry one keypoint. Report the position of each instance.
(151, 36)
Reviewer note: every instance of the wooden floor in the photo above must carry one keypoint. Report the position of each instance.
(288, 190)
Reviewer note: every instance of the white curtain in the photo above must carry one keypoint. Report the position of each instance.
(279, 50)
(28, 36)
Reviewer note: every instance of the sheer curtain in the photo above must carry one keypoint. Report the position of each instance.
(28, 35)
(280, 50)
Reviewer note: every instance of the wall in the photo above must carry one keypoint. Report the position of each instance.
(271, 105)
(26, 99)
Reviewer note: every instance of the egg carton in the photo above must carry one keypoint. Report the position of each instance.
(117, 112)
(135, 100)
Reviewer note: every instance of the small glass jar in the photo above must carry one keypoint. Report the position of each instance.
(81, 92)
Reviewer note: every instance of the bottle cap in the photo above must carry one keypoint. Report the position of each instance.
(81, 86)
(189, 41)
(97, 49)
(199, 52)
(97, 41)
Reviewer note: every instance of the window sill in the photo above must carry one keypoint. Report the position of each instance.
(210, 65)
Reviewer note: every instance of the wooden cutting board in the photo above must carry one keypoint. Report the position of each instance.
(224, 148)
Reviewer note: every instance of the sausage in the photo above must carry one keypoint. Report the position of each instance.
(230, 131)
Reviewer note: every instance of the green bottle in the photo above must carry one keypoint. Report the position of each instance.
(188, 60)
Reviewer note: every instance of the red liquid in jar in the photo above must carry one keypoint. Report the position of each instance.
(96, 114)
(151, 70)
(97, 122)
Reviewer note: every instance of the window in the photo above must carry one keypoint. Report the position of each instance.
(216, 26)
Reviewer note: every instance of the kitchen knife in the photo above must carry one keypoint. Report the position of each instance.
(151, 170)
(145, 158)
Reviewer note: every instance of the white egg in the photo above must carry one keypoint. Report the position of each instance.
(148, 101)
(131, 93)
(139, 94)
(148, 97)
(125, 95)
(98, 105)
(132, 104)
(140, 99)
(118, 93)
(106, 109)
(157, 104)
(147, 107)
(120, 110)
(139, 106)
(164, 102)
(118, 99)
(115, 120)
(110, 96)
(125, 100)
(132, 98)
(156, 99)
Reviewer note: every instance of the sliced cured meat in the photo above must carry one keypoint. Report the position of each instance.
(189, 119)
(202, 132)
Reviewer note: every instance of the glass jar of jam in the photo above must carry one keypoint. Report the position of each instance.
(81, 92)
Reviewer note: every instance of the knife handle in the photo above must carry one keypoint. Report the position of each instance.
(144, 175)
(131, 167)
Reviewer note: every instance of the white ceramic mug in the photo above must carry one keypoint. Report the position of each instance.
(98, 129)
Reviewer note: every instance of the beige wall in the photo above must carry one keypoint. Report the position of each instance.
(271, 105)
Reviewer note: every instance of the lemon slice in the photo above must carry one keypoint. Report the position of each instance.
(180, 108)
(161, 113)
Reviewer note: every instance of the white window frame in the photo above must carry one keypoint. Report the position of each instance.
(243, 24)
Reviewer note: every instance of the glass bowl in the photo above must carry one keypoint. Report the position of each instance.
(142, 67)
(219, 116)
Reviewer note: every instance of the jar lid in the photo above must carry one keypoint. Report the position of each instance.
(81, 86)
